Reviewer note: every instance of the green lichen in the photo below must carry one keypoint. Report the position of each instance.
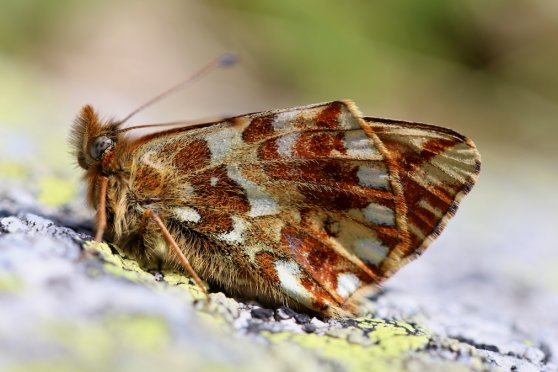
(133, 276)
(182, 281)
(55, 191)
(147, 333)
(120, 265)
(88, 345)
(379, 345)
(117, 264)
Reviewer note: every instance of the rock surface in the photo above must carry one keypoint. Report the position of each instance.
(71, 304)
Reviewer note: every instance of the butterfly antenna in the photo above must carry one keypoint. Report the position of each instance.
(224, 60)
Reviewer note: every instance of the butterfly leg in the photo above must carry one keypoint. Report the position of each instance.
(101, 209)
(172, 243)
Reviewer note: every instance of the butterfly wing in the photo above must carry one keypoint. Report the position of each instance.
(436, 167)
(308, 205)
(333, 181)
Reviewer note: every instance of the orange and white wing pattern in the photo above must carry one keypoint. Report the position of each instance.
(311, 204)
(436, 167)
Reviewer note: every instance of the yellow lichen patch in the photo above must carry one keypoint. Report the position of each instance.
(528, 343)
(146, 333)
(130, 275)
(102, 343)
(89, 343)
(103, 250)
(10, 284)
(56, 191)
(182, 281)
(378, 345)
(13, 171)
(120, 265)
(218, 313)
(117, 264)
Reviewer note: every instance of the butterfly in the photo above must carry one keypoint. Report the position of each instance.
(308, 207)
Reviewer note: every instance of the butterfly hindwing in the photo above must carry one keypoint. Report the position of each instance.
(315, 202)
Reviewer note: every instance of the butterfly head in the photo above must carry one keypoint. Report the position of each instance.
(92, 138)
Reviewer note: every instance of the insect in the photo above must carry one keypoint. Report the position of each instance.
(309, 206)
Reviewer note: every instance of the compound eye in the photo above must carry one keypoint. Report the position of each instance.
(99, 146)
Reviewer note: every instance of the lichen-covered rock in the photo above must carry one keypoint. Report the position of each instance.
(68, 303)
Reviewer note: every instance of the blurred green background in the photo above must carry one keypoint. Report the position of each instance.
(486, 69)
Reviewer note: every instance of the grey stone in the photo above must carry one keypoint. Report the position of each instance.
(78, 303)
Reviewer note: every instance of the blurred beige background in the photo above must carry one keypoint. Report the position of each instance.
(486, 69)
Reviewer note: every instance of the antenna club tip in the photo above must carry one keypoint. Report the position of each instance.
(227, 59)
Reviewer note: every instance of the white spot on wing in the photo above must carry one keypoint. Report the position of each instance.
(347, 284)
(214, 181)
(150, 159)
(221, 141)
(261, 202)
(235, 235)
(289, 276)
(284, 120)
(369, 176)
(360, 146)
(262, 206)
(286, 143)
(347, 120)
(187, 214)
(370, 250)
(379, 214)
